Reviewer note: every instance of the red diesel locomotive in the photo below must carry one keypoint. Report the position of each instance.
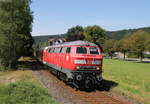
(77, 62)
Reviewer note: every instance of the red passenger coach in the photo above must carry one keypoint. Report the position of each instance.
(77, 62)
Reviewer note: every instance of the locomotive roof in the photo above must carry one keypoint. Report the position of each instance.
(79, 42)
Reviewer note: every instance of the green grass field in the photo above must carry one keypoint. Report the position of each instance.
(21, 87)
(133, 78)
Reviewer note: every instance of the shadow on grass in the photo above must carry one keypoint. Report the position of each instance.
(107, 85)
(137, 61)
(145, 62)
(134, 60)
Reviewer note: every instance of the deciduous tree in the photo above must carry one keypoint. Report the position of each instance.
(138, 42)
(15, 27)
(75, 33)
(109, 47)
(95, 34)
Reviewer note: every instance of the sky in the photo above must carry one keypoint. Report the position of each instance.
(53, 17)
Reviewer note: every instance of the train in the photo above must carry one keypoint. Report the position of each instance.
(78, 62)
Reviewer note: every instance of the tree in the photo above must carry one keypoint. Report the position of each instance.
(119, 47)
(75, 33)
(123, 45)
(15, 27)
(138, 42)
(36, 48)
(95, 34)
(109, 47)
(148, 44)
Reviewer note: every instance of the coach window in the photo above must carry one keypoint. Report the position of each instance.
(81, 50)
(68, 50)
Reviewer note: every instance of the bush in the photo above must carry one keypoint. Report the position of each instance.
(147, 55)
(24, 93)
(132, 55)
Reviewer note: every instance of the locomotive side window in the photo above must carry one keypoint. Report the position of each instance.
(68, 50)
(58, 50)
(94, 50)
(53, 50)
(49, 50)
(81, 50)
(64, 50)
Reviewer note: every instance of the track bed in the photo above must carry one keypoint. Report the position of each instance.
(65, 94)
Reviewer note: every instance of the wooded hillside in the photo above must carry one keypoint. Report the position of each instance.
(117, 35)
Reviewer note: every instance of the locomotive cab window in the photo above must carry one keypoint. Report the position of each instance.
(81, 50)
(94, 50)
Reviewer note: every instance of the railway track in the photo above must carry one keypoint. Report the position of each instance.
(68, 95)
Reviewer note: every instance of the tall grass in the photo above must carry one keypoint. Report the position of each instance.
(24, 92)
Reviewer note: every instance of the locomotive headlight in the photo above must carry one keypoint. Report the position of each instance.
(97, 62)
(97, 68)
(78, 67)
(80, 62)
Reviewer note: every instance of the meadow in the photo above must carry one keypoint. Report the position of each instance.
(133, 78)
(21, 87)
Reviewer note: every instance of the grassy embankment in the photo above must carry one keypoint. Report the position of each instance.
(133, 78)
(21, 87)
